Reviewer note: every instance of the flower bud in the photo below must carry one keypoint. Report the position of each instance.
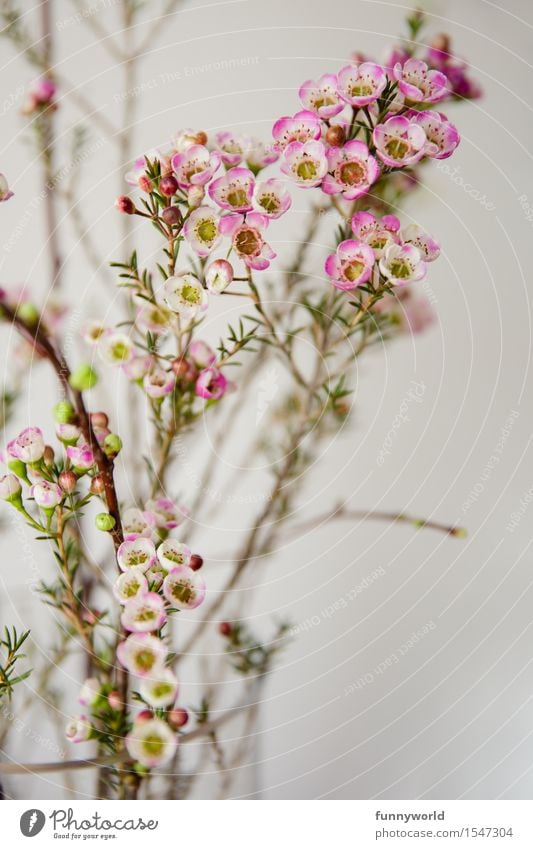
(28, 313)
(196, 562)
(112, 445)
(180, 367)
(68, 481)
(48, 455)
(10, 488)
(145, 184)
(178, 717)
(125, 204)
(115, 700)
(82, 378)
(336, 135)
(168, 186)
(104, 522)
(97, 485)
(225, 628)
(99, 419)
(172, 216)
(64, 412)
(201, 137)
(143, 716)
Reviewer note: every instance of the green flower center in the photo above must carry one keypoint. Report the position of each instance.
(206, 230)
(237, 197)
(132, 589)
(397, 148)
(153, 745)
(145, 659)
(400, 268)
(190, 294)
(361, 89)
(161, 689)
(182, 592)
(120, 351)
(306, 169)
(269, 203)
(353, 270)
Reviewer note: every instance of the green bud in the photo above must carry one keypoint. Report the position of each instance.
(104, 522)
(84, 377)
(28, 313)
(64, 412)
(112, 444)
(18, 468)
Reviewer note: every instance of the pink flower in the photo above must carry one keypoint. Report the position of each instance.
(211, 384)
(218, 275)
(68, 433)
(195, 166)
(184, 588)
(142, 654)
(234, 190)
(10, 488)
(164, 513)
(351, 265)
(377, 233)
(271, 198)
(152, 318)
(138, 366)
(78, 729)
(201, 353)
(426, 244)
(259, 155)
(247, 239)
(360, 85)
(43, 89)
(351, 170)
(418, 83)
(201, 229)
(231, 147)
(305, 163)
(321, 96)
(302, 127)
(5, 192)
(90, 692)
(158, 383)
(28, 445)
(138, 553)
(144, 613)
(184, 294)
(81, 456)
(442, 136)
(172, 553)
(151, 743)
(135, 522)
(46, 494)
(129, 585)
(399, 141)
(402, 264)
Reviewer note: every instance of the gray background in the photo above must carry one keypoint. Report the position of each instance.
(452, 717)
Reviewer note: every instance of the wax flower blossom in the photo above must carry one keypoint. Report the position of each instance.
(28, 445)
(377, 233)
(305, 163)
(218, 276)
(68, 434)
(46, 494)
(136, 553)
(184, 294)
(78, 729)
(442, 136)
(142, 654)
(201, 353)
(321, 96)
(351, 265)
(231, 147)
(164, 513)
(184, 588)
(92, 331)
(247, 239)
(144, 613)
(115, 348)
(130, 584)
(426, 244)
(302, 127)
(271, 198)
(172, 553)
(90, 692)
(5, 193)
(399, 141)
(138, 366)
(152, 318)
(233, 191)
(201, 230)
(158, 383)
(418, 83)
(81, 456)
(161, 691)
(360, 85)
(211, 384)
(351, 170)
(402, 264)
(259, 155)
(195, 166)
(151, 743)
(134, 521)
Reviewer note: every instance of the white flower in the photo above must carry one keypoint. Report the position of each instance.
(161, 691)
(138, 553)
(10, 487)
(184, 588)
(172, 553)
(151, 743)
(185, 295)
(129, 585)
(90, 692)
(142, 654)
(115, 348)
(78, 729)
